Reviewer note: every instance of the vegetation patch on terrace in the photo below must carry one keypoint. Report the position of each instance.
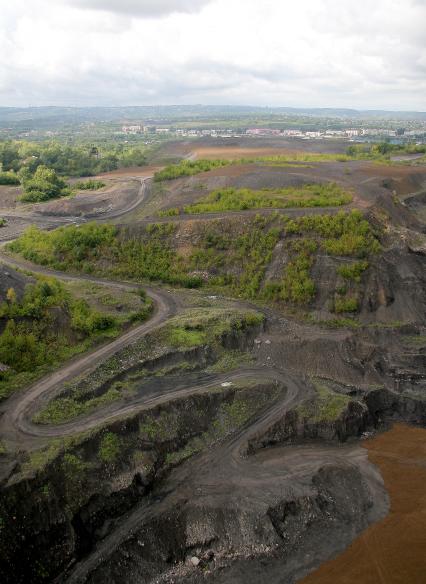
(188, 168)
(88, 185)
(231, 199)
(231, 254)
(48, 325)
(123, 373)
(326, 406)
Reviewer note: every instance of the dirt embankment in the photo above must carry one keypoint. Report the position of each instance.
(393, 550)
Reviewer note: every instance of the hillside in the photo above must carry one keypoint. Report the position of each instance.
(222, 440)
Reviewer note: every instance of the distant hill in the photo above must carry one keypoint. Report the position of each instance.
(51, 115)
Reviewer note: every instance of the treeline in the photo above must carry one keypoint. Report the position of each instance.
(39, 168)
(68, 160)
(383, 150)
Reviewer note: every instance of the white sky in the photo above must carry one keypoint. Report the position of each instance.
(326, 53)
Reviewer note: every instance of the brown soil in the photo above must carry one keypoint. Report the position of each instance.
(393, 550)
(9, 196)
(132, 171)
(229, 152)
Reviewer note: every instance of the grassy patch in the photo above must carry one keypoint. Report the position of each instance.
(231, 199)
(229, 361)
(122, 305)
(188, 168)
(326, 406)
(173, 212)
(109, 448)
(182, 337)
(160, 428)
(198, 327)
(64, 409)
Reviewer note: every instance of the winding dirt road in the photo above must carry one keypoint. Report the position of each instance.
(222, 472)
(18, 220)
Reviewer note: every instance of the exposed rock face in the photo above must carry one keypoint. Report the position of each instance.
(60, 512)
(272, 539)
(294, 428)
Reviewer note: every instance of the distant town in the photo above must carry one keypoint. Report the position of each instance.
(416, 134)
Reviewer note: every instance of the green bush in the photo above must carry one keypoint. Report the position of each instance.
(20, 348)
(88, 185)
(44, 185)
(66, 247)
(353, 271)
(296, 285)
(346, 304)
(84, 319)
(9, 178)
(346, 234)
(110, 447)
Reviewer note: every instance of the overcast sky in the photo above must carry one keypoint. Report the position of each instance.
(306, 53)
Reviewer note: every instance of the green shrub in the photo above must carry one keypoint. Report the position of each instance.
(109, 448)
(44, 185)
(9, 178)
(63, 409)
(20, 347)
(89, 185)
(326, 406)
(346, 234)
(173, 212)
(346, 304)
(353, 271)
(84, 319)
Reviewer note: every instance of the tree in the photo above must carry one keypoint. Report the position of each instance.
(44, 185)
